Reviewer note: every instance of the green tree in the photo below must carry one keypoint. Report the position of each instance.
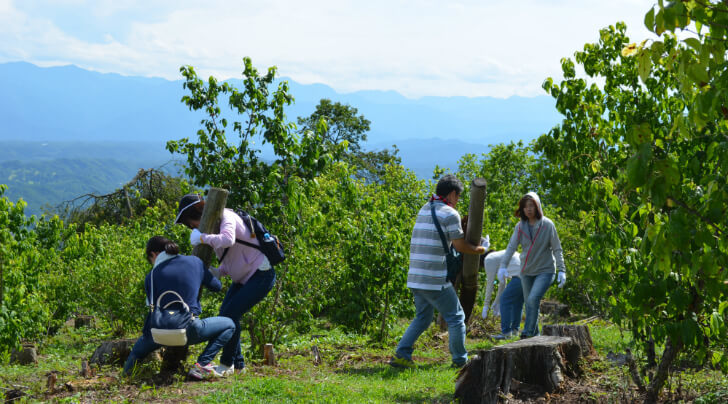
(342, 126)
(642, 164)
(213, 161)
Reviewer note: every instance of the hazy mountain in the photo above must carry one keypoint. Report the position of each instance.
(69, 103)
(59, 114)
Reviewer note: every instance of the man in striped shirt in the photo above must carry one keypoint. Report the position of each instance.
(428, 271)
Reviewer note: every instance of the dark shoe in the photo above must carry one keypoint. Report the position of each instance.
(397, 362)
(456, 366)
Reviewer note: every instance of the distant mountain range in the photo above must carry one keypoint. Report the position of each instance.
(46, 112)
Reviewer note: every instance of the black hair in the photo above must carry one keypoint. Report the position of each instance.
(522, 205)
(157, 244)
(194, 212)
(447, 184)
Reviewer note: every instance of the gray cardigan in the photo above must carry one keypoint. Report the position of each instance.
(539, 255)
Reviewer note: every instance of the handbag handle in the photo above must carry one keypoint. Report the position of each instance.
(179, 300)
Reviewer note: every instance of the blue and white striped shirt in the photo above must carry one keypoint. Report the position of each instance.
(428, 267)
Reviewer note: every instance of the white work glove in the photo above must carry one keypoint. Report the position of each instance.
(561, 278)
(485, 241)
(195, 237)
(502, 273)
(214, 271)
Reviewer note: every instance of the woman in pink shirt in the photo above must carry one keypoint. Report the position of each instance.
(252, 275)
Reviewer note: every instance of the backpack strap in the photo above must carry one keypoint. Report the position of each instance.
(439, 229)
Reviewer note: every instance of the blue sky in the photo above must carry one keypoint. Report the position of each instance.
(417, 48)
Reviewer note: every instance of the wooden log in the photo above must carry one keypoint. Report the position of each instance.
(269, 357)
(210, 222)
(578, 333)
(539, 361)
(471, 262)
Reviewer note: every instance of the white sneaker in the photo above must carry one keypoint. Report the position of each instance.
(225, 370)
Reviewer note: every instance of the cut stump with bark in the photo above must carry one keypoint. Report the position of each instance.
(26, 355)
(579, 333)
(112, 352)
(554, 309)
(541, 361)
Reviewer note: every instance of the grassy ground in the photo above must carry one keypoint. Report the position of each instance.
(353, 370)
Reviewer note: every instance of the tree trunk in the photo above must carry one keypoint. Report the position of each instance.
(578, 333)
(539, 361)
(471, 262)
(671, 351)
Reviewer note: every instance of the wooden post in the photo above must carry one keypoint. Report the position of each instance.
(269, 358)
(210, 221)
(471, 262)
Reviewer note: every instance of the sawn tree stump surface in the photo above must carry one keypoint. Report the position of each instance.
(539, 361)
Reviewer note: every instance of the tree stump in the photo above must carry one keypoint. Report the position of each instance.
(26, 355)
(83, 321)
(269, 357)
(554, 309)
(539, 361)
(578, 333)
(112, 352)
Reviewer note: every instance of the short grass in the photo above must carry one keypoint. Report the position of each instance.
(353, 370)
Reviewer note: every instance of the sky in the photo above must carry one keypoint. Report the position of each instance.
(417, 48)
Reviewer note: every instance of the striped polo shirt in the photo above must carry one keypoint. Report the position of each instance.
(427, 267)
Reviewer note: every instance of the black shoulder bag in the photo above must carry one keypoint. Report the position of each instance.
(454, 259)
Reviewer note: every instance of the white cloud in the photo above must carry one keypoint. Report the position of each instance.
(418, 48)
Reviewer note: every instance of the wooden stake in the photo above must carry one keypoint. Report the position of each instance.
(210, 221)
(471, 262)
(268, 355)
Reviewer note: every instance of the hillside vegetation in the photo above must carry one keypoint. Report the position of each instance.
(634, 178)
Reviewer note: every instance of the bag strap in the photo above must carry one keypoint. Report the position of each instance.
(439, 229)
(150, 301)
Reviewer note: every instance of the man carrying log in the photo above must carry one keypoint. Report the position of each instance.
(427, 276)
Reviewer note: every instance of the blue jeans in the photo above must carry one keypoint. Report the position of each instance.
(511, 306)
(534, 287)
(216, 330)
(238, 301)
(447, 303)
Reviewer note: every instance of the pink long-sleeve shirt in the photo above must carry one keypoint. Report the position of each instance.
(241, 262)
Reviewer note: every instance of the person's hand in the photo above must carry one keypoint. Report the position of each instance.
(214, 271)
(480, 250)
(485, 241)
(502, 273)
(561, 278)
(195, 237)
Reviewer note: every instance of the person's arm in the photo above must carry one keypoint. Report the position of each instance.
(226, 237)
(556, 250)
(211, 282)
(465, 247)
